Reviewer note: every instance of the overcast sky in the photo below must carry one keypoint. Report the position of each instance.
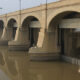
(14, 5)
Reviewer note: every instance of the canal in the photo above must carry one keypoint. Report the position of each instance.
(15, 65)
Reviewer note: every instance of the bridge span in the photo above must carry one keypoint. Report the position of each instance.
(46, 31)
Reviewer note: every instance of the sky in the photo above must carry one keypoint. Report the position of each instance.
(14, 5)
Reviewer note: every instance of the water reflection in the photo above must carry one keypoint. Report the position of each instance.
(2, 62)
(16, 66)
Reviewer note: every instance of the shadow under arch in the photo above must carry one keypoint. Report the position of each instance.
(1, 27)
(63, 40)
(33, 25)
(12, 25)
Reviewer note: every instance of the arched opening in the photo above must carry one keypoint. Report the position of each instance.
(12, 25)
(32, 25)
(1, 27)
(66, 33)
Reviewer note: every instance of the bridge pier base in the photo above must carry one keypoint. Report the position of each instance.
(38, 54)
(18, 46)
(6, 36)
(21, 41)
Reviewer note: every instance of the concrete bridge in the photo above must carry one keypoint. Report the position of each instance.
(40, 30)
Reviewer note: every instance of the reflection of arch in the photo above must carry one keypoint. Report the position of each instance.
(1, 27)
(11, 66)
(32, 24)
(12, 24)
(63, 39)
(8, 63)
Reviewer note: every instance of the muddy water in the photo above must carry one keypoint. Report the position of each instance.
(17, 66)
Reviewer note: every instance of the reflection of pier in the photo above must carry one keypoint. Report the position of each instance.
(8, 65)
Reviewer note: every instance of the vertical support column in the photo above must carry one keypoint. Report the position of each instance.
(41, 38)
(22, 35)
(42, 30)
(7, 34)
(21, 41)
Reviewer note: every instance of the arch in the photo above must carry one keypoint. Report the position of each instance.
(33, 25)
(61, 10)
(12, 18)
(12, 26)
(28, 19)
(26, 16)
(12, 23)
(63, 15)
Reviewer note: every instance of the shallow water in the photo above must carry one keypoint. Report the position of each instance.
(15, 65)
